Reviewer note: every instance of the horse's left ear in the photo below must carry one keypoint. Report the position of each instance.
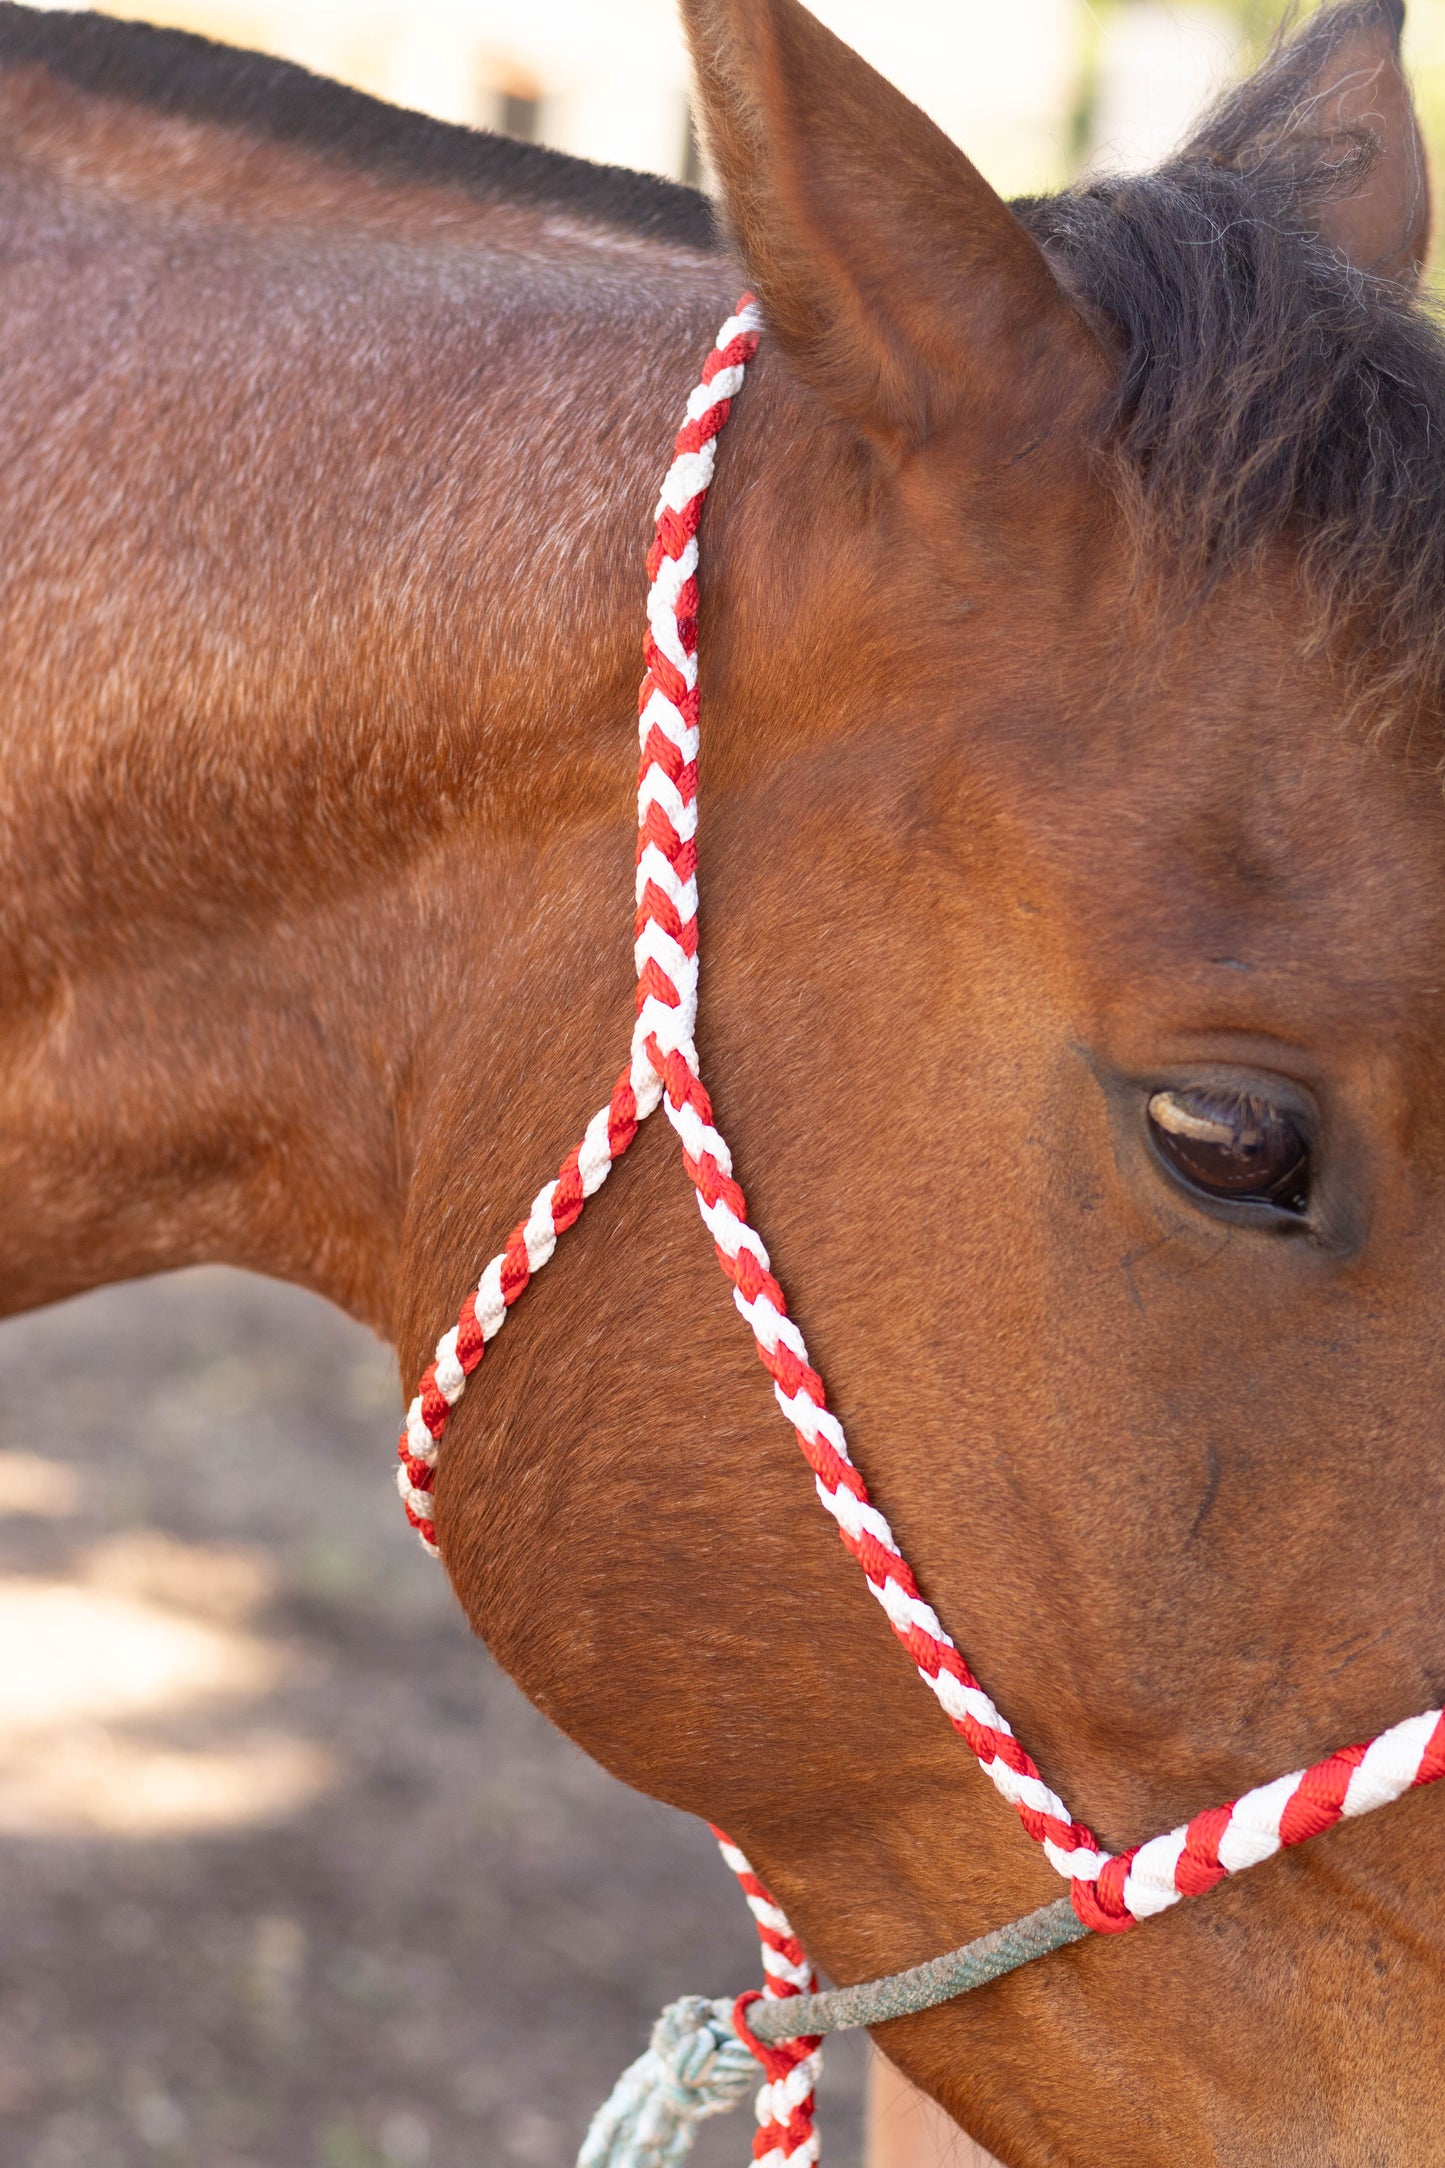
(1336, 96)
(900, 287)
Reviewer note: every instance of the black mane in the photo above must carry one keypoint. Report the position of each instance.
(173, 72)
(1269, 391)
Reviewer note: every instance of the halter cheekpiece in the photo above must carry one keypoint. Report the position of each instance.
(702, 2052)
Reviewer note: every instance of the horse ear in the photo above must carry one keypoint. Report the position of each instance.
(1335, 101)
(901, 287)
(1383, 225)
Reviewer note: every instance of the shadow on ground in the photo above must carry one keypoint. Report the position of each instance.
(290, 1874)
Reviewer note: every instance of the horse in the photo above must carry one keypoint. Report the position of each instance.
(1074, 902)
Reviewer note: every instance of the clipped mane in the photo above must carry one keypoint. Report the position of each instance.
(1269, 392)
(173, 72)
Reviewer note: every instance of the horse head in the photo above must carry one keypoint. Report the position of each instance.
(1073, 901)
(1073, 914)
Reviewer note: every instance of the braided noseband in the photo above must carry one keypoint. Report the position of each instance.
(692, 2067)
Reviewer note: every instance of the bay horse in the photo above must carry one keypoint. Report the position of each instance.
(1074, 1000)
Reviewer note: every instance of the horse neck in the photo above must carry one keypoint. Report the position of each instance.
(316, 815)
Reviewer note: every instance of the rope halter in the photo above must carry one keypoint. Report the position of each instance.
(691, 2069)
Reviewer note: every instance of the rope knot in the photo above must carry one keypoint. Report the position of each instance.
(695, 2066)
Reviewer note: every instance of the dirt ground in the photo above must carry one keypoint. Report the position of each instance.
(290, 1874)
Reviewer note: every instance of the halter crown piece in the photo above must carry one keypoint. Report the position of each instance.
(700, 2050)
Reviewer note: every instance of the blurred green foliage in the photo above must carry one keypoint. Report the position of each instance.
(1260, 22)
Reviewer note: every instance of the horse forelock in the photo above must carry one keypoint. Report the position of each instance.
(1269, 394)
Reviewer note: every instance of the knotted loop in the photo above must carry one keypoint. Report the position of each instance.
(779, 2058)
(695, 2066)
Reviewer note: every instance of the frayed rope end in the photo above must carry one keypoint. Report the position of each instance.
(696, 2066)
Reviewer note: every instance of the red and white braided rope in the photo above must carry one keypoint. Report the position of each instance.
(786, 2137)
(1109, 1892)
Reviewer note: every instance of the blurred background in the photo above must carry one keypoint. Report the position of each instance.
(290, 1876)
(1034, 91)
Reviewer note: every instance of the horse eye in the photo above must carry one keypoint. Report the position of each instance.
(1233, 1145)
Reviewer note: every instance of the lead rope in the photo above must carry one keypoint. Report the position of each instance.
(703, 2056)
(1107, 1893)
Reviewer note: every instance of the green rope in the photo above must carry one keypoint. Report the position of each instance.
(901, 1993)
(697, 2066)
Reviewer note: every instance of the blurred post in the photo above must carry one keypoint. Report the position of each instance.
(906, 2130)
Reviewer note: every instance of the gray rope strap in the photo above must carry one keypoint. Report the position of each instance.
(697, 2066)
(922, 1986)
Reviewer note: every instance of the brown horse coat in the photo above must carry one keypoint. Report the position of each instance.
(1060, 567)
